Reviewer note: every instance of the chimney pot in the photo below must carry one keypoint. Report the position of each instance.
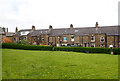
(96, 25)
(16, 29)
(33, 27)
(7, 29)
(71, 26)
(50, 27)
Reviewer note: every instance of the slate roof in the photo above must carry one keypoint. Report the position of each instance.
(109, 30)
(10, 33)
(19, 32)
(40, 32)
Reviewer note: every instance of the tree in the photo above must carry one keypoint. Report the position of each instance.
(6, 40)
(24, 41)
(3, 29)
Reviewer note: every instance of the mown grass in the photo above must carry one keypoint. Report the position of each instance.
(28, 64)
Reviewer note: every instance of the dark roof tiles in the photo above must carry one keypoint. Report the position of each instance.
(109, 30)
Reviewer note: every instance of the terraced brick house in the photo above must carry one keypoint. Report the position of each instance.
(98, 36)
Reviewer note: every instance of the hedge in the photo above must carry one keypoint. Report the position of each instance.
(116, 51)
(25, 47)
(49, 48)
(88, 50)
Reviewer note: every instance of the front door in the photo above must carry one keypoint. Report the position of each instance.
(85, 44)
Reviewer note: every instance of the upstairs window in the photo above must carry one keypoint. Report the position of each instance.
(43, 38)
(92, 38)
(72, 39)
(65, 38)
(101, 39)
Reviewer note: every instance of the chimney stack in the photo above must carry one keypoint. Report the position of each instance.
(16, 30)
(7, 29)
(33, 28)
(71, 26)
(50, 27)
(96, 25)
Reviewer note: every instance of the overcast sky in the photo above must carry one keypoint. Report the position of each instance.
(58, 13)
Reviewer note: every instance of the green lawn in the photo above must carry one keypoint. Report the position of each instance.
(28, 64)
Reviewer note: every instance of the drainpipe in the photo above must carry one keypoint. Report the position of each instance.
(82, 41)
(106, 40)
(118, 41)
(114, 40)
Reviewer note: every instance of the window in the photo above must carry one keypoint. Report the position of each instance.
(23, 32)
(38, 38)
(65, 38)
(92, 45)
(3, 37)
(102, 45)
(101, 39)
(76, 30)
(25, 38)
(43, 39)
(72, 39)
(72, 45)
(92, 38)
(14, 39)
(20, 39)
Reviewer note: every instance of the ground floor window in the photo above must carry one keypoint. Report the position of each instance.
(92, 45)
(102, 45)
(68, 45)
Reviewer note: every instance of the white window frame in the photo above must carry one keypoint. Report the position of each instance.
(72, 39)
(43, 39)
(93, 40)
(93, 44)
(102, 45)
(101, 39)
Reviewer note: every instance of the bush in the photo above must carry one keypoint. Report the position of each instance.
(49, 48)
(25, 47)
(6, 40)
(24, 41)
(116, 51)
(88, 49)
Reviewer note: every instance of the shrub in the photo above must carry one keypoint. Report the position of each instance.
(88, 49)
(6, 40)
(49, 48)
(116, 51)
(24, 41)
